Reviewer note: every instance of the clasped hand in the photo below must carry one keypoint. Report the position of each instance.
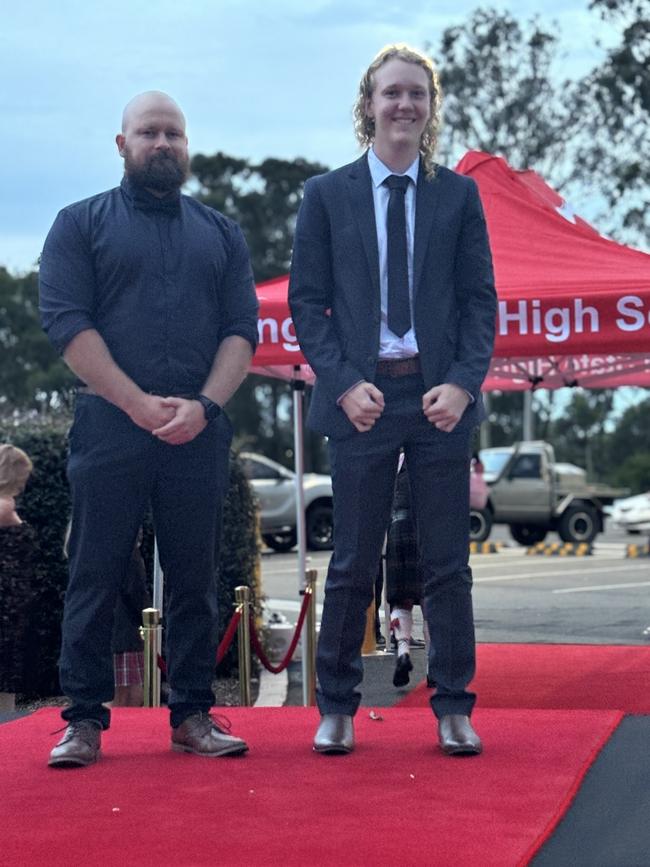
(174, 420)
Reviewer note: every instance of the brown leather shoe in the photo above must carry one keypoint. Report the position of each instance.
(199, 734)
(79, 746)
(335, 734)
(457, 737)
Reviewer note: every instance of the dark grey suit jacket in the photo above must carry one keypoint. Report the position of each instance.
(334, 290)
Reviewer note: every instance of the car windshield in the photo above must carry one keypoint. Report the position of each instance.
(494, 462)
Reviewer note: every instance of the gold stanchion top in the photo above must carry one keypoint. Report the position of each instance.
(242, 593)
(309, 587)
(150, 617)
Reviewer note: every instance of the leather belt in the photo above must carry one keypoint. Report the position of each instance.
(86, 389)
(398, 366)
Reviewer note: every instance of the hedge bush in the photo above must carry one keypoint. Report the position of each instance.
(33, 569)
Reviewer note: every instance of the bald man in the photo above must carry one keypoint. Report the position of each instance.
(149, 296)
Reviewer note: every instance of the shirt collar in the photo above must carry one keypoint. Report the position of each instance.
(146, 201)
(379, 171)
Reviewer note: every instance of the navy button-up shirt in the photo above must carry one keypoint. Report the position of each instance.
(163, 281)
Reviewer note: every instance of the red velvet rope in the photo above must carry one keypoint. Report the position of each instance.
(224, 645)
(259, 650)
(226, 641)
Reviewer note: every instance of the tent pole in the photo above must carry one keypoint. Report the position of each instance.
(528, 415)
(484, 431)
(157, 604)
(298, 388)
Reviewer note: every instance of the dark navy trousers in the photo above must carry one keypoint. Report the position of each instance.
(364, 466)
(115, 470)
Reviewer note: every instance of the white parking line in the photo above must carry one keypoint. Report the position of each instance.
(597, 587)
(555, 573)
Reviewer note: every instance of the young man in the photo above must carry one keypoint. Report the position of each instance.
(392, 295)
(149, 296)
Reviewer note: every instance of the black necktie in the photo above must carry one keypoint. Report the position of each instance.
(399, 309)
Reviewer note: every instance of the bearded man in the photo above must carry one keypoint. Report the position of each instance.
(149, 296)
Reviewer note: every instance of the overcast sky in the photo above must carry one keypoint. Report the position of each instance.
(255, 78)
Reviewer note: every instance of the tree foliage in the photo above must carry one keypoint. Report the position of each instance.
(627, 454)
(263, 198)
(588, 136)
(496, 76)
(611, 153)
(580, 434)
(30, 369)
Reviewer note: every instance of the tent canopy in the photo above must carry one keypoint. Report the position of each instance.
(573, 306)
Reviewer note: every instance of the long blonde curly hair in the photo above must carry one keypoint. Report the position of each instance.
(364, 126)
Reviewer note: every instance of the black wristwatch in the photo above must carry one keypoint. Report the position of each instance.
(211, 410)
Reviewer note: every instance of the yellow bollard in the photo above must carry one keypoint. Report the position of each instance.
(309, 639)
(243, 598)
(150, 630)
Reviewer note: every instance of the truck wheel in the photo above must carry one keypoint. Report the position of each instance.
(280, 542)
(527, 534)
(320, 528)
(579, 524)
(480, 524)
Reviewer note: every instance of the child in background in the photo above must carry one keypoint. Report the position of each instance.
(15, 468)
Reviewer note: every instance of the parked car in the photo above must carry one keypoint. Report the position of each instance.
(275, 489)
(632, 514)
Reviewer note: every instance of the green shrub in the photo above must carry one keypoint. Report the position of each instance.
(17, 590)
(45, 508)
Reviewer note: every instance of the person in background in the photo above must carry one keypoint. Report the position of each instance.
(127, 642)
(403, 580)
(15, 468)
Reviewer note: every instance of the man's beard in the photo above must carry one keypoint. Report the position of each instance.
(162, 172)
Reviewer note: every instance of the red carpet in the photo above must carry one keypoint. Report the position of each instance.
(557, 676)
(284, 805)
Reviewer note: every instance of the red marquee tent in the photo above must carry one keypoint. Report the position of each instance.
(573, 306)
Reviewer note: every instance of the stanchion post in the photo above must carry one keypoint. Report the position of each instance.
(369, 646)
(309, 641)
(151, 634)
(243, 599)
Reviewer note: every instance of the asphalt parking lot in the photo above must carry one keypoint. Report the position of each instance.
(603, 598)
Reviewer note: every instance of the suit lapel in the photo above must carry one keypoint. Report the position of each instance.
(363, 206)
(426, 206)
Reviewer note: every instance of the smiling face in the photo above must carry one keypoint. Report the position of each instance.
(399, 106)
(153, 143)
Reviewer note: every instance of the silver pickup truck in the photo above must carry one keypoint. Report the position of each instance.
(533, 494)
